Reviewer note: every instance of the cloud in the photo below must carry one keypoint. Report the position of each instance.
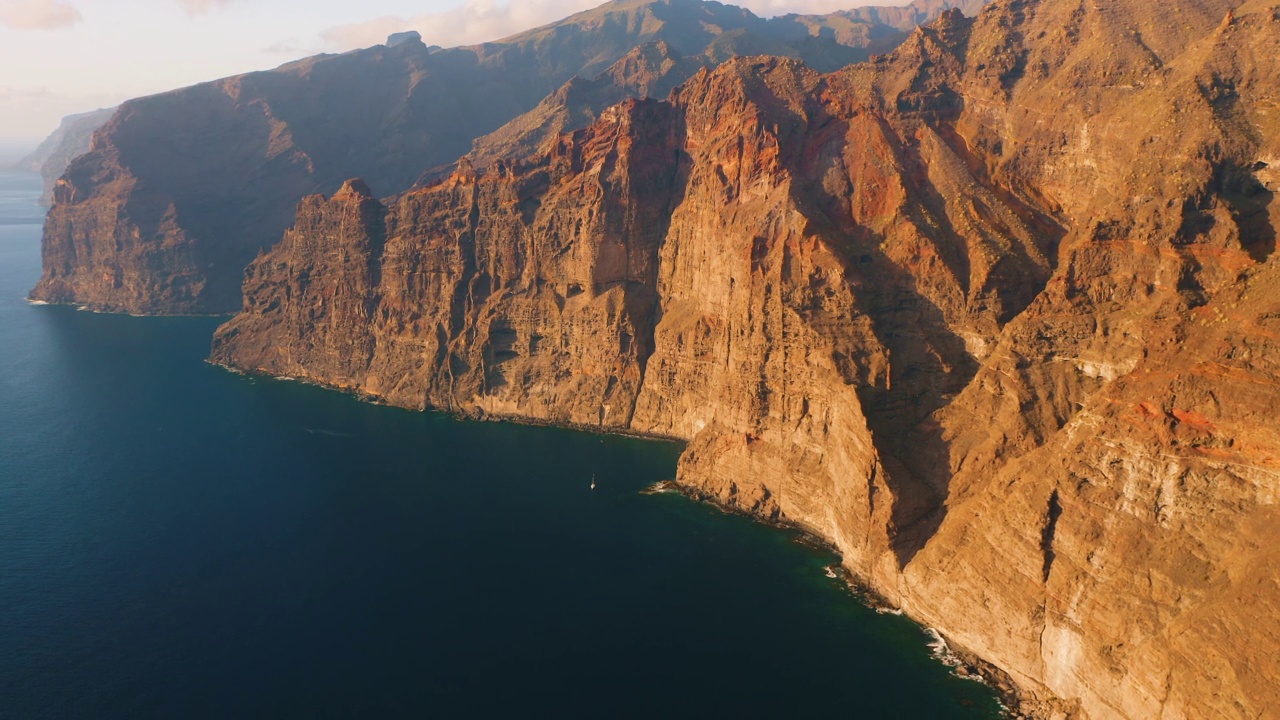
(25, 94)
(477, 21)
(285, 47)
(37, 14)
(201, 7)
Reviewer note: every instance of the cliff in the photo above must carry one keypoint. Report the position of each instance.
(182, 190)
(70, 140)
(995, 313)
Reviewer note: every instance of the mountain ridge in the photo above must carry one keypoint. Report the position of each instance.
(142, 223)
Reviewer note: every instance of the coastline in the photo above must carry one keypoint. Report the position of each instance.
(1015, 702)
(99, 310)
(860, 592)
(476, 416)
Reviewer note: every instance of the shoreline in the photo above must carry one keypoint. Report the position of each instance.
(475, 416)
(1014, 701)
(97, 310)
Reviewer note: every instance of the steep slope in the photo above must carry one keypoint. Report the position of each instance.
(651, 70)
(995, 313)
(1131, 460)
(183, 189)
(69, 141)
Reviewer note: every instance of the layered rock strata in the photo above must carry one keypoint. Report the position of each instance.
(998, 314)
(182, 190)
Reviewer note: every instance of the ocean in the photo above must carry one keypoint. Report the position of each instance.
(177, 541)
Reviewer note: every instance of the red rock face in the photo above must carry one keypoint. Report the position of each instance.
(182, 190)
(996, 314)
(480, 283)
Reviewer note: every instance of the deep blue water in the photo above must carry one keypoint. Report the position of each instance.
(178, 541)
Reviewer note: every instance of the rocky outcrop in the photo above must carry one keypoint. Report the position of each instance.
(70, 140)
(400, 38)
(183, 189)
(996, 314)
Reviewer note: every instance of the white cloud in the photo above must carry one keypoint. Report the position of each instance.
(285, 47)
(201, 7)
(37, 14)
(478, 21)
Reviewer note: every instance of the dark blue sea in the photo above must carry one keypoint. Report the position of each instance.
(177, 541)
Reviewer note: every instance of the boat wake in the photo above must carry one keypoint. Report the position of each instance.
(328, 433)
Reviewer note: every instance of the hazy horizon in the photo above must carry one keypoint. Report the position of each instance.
(62, 57)
(14, 149)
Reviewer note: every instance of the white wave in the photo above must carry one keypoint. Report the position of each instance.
(945, 655)
(941, 650)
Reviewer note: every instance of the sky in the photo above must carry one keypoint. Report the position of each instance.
(59, 57)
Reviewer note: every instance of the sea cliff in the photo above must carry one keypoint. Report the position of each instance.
(995, 313)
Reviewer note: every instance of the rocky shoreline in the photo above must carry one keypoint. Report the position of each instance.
(964, 664)
(1017, 704)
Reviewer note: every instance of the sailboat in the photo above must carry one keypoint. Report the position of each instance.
(593, 481)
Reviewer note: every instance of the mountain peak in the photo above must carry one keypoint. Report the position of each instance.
(401, 38)
(354, 188)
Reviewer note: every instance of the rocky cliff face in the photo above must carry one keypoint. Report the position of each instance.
(70, 140)
(183, 189)
(997, 314)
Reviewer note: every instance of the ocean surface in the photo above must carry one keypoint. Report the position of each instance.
(177, 541)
